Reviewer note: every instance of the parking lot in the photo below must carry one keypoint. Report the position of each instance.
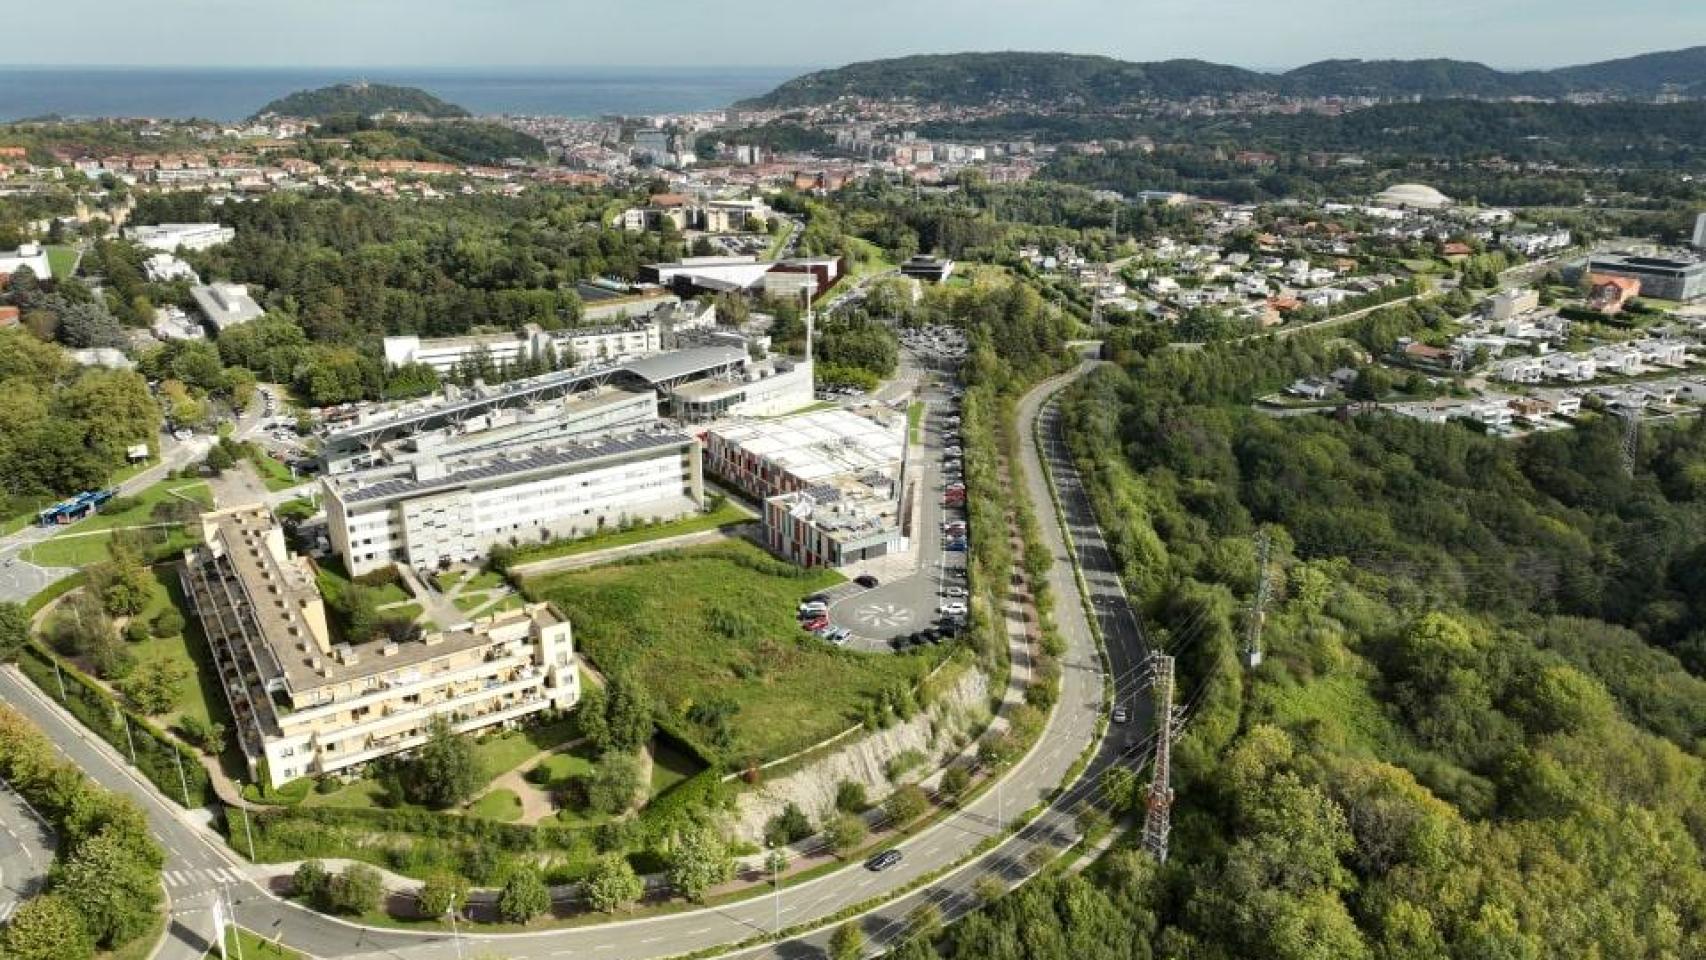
(923, 599)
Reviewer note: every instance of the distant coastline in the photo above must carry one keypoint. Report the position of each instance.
(230, 94)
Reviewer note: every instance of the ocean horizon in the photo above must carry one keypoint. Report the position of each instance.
(232, 93)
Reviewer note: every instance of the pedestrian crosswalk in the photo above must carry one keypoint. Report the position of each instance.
(211, 877)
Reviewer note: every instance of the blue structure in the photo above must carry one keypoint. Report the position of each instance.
(74, 509)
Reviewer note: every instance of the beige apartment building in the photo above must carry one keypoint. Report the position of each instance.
(305, 705)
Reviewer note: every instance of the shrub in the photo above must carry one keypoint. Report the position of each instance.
(850, 797)
(524, 896)
(790, 826)
(906, 804)
(168, 623)
(355, 891)
(955, 779)
(311, 882)
(442, 891)
(845, 833)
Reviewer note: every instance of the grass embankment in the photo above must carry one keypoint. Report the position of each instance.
(728, 514)
(915, 421)
(250, 946)
(716, 623)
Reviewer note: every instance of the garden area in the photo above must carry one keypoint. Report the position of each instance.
(710, 633)
(721, 515)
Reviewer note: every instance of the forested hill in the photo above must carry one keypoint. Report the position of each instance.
(362, 100)
(978, 78)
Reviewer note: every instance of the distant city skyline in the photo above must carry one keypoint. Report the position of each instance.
(553, 34)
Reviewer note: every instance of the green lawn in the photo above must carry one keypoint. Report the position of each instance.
(409, 611)
(467, 602)
(915, 421)
(570, 763)
(501, 805)
(69, 550)
(61, 261)
(671, 766)
(333, 581)
(276, 476)
(717, 621)
(166, 491)
(241, 942)
(502, 752)
(726, 515)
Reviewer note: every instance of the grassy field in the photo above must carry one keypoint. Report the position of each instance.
(718, 622)
(81, 551)
(73, 547)
(276, 476)
(61, 261)
(198, 693)
(241, 942)
(724, 516)
(334, 580)
(500, 805)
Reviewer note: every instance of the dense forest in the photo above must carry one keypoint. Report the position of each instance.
(1080, 81)
(359, 99)
(1477, 728)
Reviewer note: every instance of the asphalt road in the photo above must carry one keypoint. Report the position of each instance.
(197, 864)
(26, 851)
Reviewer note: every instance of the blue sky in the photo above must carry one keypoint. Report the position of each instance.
(464, 33)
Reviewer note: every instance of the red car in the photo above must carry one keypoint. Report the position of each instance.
(816, 624)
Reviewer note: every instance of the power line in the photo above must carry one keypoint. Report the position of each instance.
(1157, 821)
(1258, 608)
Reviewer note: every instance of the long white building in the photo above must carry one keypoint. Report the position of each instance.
(454, 508)
(167, 237)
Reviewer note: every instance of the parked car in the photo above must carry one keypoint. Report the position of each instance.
(816, 625)
(955, 546)
(954, 592)
(865, 580)
(811, 611)
(954, 608)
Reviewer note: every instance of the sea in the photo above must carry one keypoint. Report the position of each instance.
(228, 94)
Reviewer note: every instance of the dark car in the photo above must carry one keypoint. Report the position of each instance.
(865, 580)
(883, 861)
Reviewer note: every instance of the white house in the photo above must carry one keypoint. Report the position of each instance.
(1670, 353)
(1625, 361)
(1520, 370)
(1571, 366)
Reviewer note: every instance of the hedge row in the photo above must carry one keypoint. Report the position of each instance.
(158, 756)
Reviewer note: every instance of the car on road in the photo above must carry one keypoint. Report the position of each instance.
(884, 860)
(1121, 714)
(865, 580)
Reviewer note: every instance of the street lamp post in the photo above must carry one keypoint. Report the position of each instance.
(455, 931)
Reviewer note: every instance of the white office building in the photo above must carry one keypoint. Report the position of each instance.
(436, 510)
(225, 305)
(168, 237)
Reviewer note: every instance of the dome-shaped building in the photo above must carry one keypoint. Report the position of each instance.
(1413, 196)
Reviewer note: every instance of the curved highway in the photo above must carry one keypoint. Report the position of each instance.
(198, 864)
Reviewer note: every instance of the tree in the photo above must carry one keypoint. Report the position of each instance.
(115, 892)
(46, 927)
(614, 784)
(447, 771)
(699, 862)
(153, 688)
(356, 890)
(14, 630)
(1119, 789)
(524, 896)
(442, 892)
(612, 884)
(847, 942)
(906, 804)
(628, 711)
(844, 833)
(590, 715)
